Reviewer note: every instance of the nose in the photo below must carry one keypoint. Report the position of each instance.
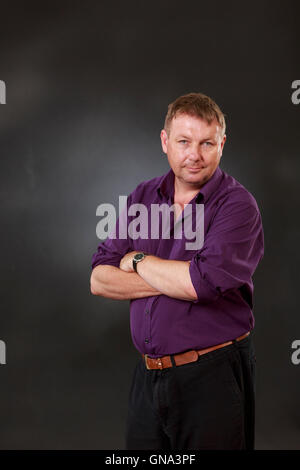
(195, 153)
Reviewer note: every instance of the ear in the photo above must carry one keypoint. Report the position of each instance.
(164, 140)
(222, 144)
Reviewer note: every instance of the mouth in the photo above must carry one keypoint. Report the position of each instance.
(194, 170)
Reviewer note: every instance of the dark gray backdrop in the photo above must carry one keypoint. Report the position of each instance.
(88, 84)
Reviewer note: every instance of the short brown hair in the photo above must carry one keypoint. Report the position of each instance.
(195, 104)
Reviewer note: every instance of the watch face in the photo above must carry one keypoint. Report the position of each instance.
(139, 256)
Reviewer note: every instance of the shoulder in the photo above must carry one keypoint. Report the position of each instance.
(234, 193)
(146, 188)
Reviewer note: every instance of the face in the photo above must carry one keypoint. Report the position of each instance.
(194, 149)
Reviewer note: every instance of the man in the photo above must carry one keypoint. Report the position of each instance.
(191, 309)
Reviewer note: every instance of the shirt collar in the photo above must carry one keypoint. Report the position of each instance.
(166, 185)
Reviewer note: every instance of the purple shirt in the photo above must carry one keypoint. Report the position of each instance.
(221, 271)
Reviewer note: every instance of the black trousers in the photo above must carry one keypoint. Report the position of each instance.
(208, 404)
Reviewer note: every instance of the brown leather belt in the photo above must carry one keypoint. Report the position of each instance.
(183, 358)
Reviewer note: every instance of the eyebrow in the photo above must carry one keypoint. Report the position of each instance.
(180, 136)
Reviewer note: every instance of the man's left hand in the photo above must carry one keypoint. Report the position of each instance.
(126, 262)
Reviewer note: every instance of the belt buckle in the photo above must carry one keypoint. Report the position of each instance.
(145, 357)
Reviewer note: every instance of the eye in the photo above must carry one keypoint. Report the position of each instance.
(183, 141)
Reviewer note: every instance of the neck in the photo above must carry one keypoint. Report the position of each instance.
(184, 192)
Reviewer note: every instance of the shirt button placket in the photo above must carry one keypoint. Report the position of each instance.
(147, 326)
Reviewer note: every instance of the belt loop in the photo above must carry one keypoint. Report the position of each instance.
(234, 342)
(173, 360)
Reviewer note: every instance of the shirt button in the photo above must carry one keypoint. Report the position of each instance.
(147, 311)
(147, 340)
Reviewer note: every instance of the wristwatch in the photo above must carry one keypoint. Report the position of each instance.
(137, 258)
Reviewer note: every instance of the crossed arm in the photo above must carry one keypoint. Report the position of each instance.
(233, 247)
(154, 276)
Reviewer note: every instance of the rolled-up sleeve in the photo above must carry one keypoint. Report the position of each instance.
(108, 252)
(232, 249)
(112, 250)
